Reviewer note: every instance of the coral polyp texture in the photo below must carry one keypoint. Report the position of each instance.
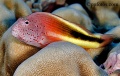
(60, 59)
(106, 12)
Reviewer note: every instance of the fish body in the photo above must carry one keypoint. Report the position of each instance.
(41, 28)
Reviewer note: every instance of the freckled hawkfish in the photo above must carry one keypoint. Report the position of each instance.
(41, 28)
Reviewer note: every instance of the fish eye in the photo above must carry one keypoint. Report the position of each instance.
(26, 22)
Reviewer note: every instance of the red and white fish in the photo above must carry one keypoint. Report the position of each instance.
(41, 28)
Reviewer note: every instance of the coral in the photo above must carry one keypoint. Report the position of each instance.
(106, 12)
(115, 31)
(45, 5)
(18, 7)
(60, 59)
(103, 4)
(112, 62)
(7, 18)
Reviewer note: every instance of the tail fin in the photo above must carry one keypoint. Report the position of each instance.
(107, 39)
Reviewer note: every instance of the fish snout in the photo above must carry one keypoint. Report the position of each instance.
(16, 34)
(16, 27)
(15, 31)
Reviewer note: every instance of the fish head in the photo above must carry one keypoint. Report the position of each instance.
(28, 30)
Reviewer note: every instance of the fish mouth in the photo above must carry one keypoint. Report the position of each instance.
(15, 34)
(20, 38)
(14, 31)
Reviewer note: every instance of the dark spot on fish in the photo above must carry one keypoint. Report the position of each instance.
(42, 38)
(31, 20)
(23, 30)
(37, 26)
(30, 29)
(84, 37)
(45, 33)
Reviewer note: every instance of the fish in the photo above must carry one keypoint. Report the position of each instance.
(41, 28)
